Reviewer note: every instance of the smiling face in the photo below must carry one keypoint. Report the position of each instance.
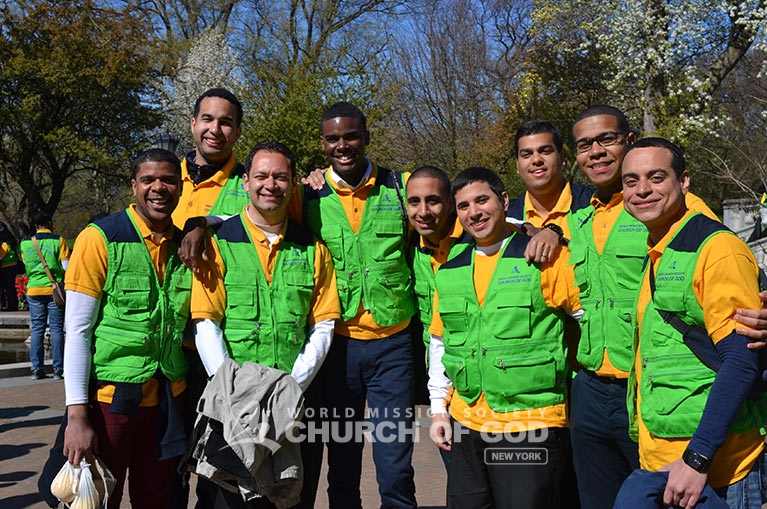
(481, 213)
(270, 183)
(602, 165)
(215, 130)
(429, 208)
(344, 140)
(652, 193)
(157, 188)
(539, 164)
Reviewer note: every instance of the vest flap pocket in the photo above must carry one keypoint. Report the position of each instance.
(127, 350)
(333, 238)
(520, 381)
(241, 301)
(132, 302)
(673, 401)
(389, 240)
(525, 375)
(513, 318)
(455, 326)
(299, 276)
(458, 371)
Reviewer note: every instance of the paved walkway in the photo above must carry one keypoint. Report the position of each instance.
(30, 413)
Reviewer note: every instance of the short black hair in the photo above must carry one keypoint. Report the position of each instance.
(479, 174)
(42, 218)
(274, 147)
(344, 109)
(678, 163)
(537, 127)
(156, 155)
(433, 172)
(223, 94)
(602, 109)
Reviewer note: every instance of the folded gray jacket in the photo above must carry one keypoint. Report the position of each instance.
(240, 437)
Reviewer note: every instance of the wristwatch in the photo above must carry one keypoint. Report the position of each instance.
(556, 229)
(696, 461)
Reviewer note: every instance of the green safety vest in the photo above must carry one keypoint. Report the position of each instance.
(608, 285)
(675, 384)
(141, 322)
(232, 197)
(512, 347)
(424, 280)
(371, 265)
(50, 246)
(266, 323)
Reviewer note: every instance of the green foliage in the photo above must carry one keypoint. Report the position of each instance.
(73, 94)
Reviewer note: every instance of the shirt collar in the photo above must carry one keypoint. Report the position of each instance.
(615, 199)
(342, 184)
(455, 234)
(144, 229)
(562, 207)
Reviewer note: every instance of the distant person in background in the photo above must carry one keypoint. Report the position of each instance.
(9, 265)
(760, 225)
(42, 310)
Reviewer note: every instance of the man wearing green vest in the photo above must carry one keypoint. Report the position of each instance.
(497, 341)
(697, 425)
(360, 214)
(272, 296)
(127, 307)
(607, 251)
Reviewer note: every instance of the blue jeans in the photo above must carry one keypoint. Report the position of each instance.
(644, 490)
(381, 371)
(751, 491)
(42, 312)
(603, 453)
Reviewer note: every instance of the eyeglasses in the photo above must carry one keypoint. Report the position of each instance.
(605, 139)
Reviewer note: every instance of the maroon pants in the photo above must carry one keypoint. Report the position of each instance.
(130, 444)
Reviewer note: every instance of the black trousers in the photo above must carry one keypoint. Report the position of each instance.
(478, 478)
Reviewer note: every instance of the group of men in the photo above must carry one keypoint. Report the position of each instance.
(322, 282)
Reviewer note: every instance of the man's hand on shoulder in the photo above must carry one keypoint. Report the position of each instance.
(756, 319)
(195, 252)
(543, 245)
(316, 179)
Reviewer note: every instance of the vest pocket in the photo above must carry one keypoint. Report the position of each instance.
(389, 240)
(514, 316)
(464, 379)
(241, 301)
(455, 327)
(673, 401)
(519, 380)
(334, 240)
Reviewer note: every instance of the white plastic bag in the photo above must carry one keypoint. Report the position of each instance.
(65, 484)
(87, 496)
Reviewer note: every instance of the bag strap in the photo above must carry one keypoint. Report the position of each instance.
(42, 259)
